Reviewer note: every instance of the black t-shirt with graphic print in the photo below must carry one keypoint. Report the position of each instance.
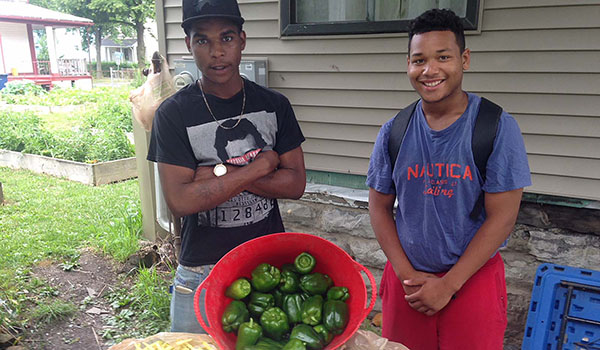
(185, 134)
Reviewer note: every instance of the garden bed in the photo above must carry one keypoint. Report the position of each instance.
(90, 174)
(41, 108)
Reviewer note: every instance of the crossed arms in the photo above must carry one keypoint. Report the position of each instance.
(270, 175)
(425, 292)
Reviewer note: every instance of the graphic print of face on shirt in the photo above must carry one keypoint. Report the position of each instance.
(240, 145)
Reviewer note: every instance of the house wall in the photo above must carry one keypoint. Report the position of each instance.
(69, 44)
(15, 48)
(539, 59)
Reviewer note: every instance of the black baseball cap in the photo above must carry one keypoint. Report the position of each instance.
(194, 10)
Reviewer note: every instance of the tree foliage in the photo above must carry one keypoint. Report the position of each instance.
(111, 19)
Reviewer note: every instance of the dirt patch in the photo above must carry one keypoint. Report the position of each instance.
(84, 287)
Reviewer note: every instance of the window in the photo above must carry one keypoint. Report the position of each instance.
(329, 17)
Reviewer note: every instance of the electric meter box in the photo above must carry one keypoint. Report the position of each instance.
(185, 71)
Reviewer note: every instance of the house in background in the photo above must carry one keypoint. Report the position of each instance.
(119, 51)
(124, 50)
(18, 58)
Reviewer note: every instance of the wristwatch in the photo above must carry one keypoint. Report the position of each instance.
(220, 170)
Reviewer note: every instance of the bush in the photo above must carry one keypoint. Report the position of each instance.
(73, 96)
(25, 133)
(31, 95)
(106, 66)
(100, 137)
(21, 92)
(22, 87)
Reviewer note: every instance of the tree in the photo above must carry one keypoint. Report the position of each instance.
(139, 11)
(108, 17)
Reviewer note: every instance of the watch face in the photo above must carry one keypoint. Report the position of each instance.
(220, 170)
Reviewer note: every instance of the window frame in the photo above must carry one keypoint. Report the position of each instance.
(288, 29)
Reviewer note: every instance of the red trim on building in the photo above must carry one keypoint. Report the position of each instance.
(48, 77)
(32, 49)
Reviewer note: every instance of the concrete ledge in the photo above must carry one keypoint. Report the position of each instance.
(89, 174)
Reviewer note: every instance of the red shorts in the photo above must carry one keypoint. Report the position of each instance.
(475, 319)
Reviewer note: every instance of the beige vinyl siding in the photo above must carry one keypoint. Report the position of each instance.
(539, 59)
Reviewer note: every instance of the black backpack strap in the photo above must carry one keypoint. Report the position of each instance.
(484, 134)
(398, 130)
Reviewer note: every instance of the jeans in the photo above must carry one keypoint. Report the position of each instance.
(183, 316)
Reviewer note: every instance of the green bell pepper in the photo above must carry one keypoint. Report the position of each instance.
(305, 296)
(308, 336)
(239, 289)
(288, 267)
(324, 333)
(305, 263)
(294, 344)
(338, 293)
(248, 334)
(234, 315)
(265, 277)
(259, 302)
(315, 283)
(335, 316)
(292, 306)
(290, 283)
(275, 323)
(272, 342)
(312, 310)
(278, 295)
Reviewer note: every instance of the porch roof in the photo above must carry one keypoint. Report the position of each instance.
(22, 12)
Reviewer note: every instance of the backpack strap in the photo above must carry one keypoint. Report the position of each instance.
(482, 144)
(398, 130)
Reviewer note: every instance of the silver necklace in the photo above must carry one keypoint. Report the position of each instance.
(212, 114)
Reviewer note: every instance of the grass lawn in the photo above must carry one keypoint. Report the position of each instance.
(45, 218)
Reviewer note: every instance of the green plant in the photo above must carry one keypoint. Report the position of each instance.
(146, 306)
(121, 238)
(71, 263)
(22, 87)
(99, 136)
(152, 292)
(24, 132)
(138, 79)
(27, 93)
(106, 65)
(54, 311)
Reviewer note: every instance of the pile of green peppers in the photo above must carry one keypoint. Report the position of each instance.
(287, 308)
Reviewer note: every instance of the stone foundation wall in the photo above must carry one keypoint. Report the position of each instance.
(544, 233)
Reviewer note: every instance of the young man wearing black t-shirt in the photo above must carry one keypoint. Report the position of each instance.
(226, 148)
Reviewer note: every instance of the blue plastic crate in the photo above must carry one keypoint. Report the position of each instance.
(556, 288)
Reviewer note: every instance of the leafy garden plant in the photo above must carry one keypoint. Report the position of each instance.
(100, 135)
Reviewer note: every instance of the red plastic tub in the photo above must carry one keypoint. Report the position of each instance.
(277, 249)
